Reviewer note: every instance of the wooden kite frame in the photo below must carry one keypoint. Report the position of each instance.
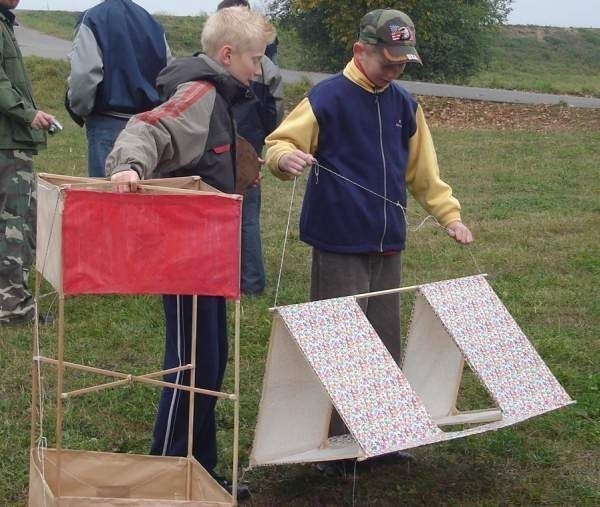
(185, 185)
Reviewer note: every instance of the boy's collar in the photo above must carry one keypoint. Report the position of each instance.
(356, 74)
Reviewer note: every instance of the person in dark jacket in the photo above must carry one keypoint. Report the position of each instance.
(118, 51)
(193, 133)
(370, 143)
(256, 119)
(22, 135)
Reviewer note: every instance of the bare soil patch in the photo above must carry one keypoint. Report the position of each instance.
(475, 114)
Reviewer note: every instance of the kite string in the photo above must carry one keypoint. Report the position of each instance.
(287, 230)
(317, 166)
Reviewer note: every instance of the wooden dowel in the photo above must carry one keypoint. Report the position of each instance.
(393, 291)
(35, 387)
(381, 292)
(144, 379)
(94, 389)
(191, 396)
(109, 373)
(159, 383)
(236, 406)
(59, 388)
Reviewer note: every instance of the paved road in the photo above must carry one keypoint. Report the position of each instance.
(467, 92)
(36, 43)
(33, 42)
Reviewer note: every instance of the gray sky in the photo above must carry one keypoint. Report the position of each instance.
(583, 13)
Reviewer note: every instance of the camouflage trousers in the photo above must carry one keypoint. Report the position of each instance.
(17, 235)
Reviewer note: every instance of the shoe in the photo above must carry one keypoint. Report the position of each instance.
(336, 468)
(45, 319)
(243, 491)
(393, 458)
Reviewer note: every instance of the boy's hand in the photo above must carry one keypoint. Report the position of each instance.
(460, 232)
(295, 162)
(127, 181)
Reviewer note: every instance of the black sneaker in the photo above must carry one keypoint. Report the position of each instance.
(45, 319)
(243, 491)
(336, 468)
(393, 458)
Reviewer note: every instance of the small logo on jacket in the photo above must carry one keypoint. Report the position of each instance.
(398, 124)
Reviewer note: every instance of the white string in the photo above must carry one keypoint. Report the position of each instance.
(287, 229)
(404, 210)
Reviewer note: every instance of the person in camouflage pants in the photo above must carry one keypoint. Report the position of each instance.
(17, 241)
(22, 134)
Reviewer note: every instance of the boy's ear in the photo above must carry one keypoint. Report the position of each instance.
(224, 55)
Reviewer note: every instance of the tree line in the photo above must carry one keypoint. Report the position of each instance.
(453, 36)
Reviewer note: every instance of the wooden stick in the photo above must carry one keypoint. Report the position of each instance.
(392, 291)
(381, 292)
(35, 365)
(110, 373)
(471, 417)
(160, 383)
(236, 406)
(144, 379)
(192, 396)
(59, 388)
(94, 389)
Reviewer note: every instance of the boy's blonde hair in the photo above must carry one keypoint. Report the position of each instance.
(238, 27)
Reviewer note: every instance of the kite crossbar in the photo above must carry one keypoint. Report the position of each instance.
(384, 292)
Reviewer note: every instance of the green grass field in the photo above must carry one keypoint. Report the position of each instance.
(548, 60)
(532, 202)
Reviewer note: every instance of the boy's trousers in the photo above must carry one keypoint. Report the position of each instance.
(335, 275)
(171, 425)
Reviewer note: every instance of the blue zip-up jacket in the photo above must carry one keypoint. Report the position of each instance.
(118, 51)
(377, 143)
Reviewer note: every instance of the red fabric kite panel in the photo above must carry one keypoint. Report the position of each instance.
(135, 243)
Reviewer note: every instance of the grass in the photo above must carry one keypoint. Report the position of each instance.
(531, 200)
(547, 60)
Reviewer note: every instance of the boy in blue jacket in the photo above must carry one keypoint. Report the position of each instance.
(370, 143)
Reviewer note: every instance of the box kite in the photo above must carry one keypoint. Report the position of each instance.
(326, 354)
(174, 236)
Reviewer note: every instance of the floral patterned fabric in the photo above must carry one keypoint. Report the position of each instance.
(366, 386)
(374, 398)
(495, 347)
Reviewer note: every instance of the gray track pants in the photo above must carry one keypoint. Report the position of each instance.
(334, 275)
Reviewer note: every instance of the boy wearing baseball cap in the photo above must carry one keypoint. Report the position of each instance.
(368, 142)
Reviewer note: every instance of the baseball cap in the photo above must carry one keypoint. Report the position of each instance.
(393, 31)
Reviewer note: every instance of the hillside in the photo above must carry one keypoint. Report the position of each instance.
(544, 59)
